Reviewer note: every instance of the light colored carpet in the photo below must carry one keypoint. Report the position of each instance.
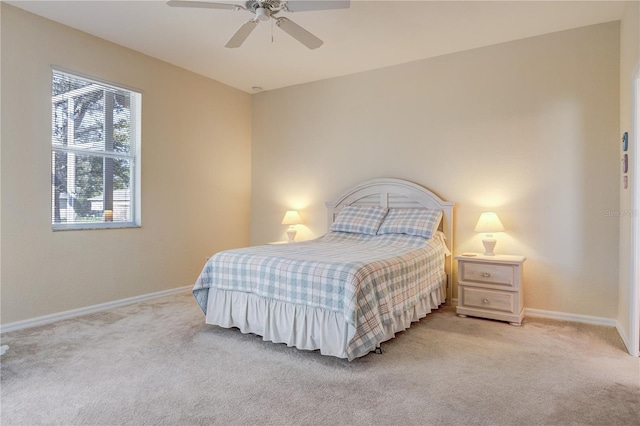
(157, 363)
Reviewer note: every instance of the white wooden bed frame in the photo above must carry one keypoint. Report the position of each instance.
(399, 193)
(313, 328)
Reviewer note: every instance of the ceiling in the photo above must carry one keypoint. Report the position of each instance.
(368, 35)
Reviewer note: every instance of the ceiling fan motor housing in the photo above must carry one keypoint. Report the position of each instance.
(272, 6)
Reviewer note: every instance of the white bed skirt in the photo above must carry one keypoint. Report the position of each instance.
(300, 326)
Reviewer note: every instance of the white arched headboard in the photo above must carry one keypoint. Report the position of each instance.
(398, 193)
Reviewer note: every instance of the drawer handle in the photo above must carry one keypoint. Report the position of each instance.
(486, 274)
(485, 301)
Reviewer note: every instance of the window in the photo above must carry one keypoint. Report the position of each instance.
(95, 154)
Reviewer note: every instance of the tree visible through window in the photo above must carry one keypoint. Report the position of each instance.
(95, 152)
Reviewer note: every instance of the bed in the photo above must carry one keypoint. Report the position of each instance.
(384, 263)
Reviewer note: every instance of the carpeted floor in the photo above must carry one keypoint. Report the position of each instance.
(157, 363)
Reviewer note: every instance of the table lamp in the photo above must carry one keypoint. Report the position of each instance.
(489, 223)
(291, 218)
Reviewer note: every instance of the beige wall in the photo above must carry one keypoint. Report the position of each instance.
(528, 129)
(196, 164)
(629, 60)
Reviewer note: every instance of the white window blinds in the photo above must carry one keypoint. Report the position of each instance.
(95, 150)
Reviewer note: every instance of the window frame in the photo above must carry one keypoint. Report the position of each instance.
(135, 156)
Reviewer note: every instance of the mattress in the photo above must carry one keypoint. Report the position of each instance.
(342, 293)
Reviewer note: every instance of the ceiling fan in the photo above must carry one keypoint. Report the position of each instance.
(268, 9)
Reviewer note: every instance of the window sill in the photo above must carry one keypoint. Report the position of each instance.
(93, 226)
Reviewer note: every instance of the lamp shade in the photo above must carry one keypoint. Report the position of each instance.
(291, 217)
(489, 223)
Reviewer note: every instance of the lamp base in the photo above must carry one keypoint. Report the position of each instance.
(489, 244)
(291, 233)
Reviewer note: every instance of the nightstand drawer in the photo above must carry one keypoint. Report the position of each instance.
(488, 299)
(487, 273)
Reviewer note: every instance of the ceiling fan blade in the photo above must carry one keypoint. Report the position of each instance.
(307, 5)
(241, 35)
(299, 33)
(204, 4)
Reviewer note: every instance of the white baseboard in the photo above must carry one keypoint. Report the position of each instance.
(47, 319)
(627, 341)
(608, 322)
(587, 319)
(563, 316)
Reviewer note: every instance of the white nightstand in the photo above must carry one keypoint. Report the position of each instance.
(491, 287)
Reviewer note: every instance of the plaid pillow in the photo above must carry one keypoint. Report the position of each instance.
(417, 222)
(359, 219)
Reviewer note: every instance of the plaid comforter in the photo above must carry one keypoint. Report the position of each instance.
(367, 278)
